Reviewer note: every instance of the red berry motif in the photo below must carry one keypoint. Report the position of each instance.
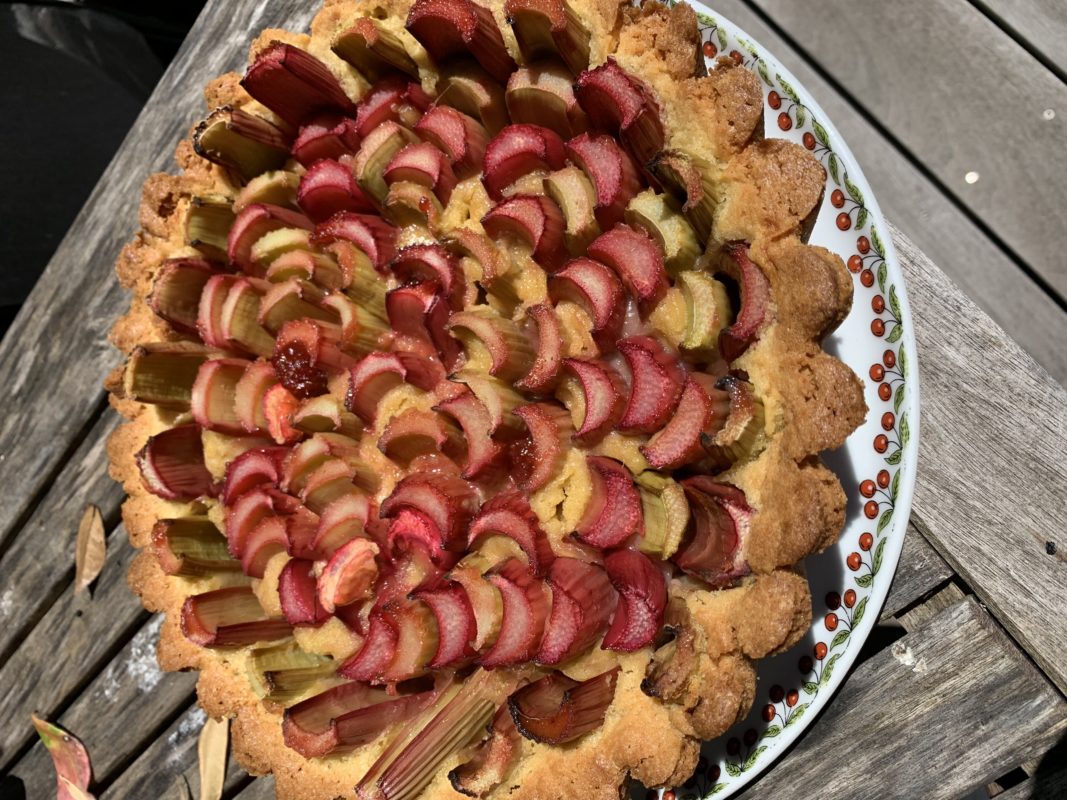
(777, 693)
(854, 561)
(769, 713)
(809, 140)
(878, 304)
(855, 263)
(870, 509)
(820, 651)
(889, 358)
(888, 420)
(883, 478)
(850, 597)
(844, 221)
(710, 50)
(733, 746)
(792, 698)
(774, 100)
(867, 488)
(714, 772)
(866, 541)
(837, 198)
(785, 122)
(805, 665)
(737, 57)
(863, 245)
(867, 278)
(877, 372)
(881, 443)
(878, 327)
(885, 391)
(833, 600)
(668, 795)
(750, 737)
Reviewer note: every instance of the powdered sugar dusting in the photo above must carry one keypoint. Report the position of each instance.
(140, 668)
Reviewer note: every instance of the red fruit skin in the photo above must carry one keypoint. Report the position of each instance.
(296, 591)
(614, 511)
(294, 84)
(519, 150)
(424, 164)
(257, 467)
(328, 136)
(327, 188)
(537, 457)
(371, 234)
(370, 380)
(656, 381)
(386, 100)
(535, 219)
(172, 464)
(679, 442)
(377, 652)
(642, 601)
(548, 359)
(583, 601)
(618, 102)
(447, 500)
(251, 224)
(595, 287)
(525, 611)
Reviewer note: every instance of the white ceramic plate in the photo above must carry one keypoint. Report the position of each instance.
(850, 581)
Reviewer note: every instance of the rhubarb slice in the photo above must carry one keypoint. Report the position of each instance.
(548, 356)
(595, 287)
(583, 601)
(755, 298)
(533, 219)
(525, 611)
(721, 518)
(612, 172)
(493, 759)
(487, 336)
(229, 618)
(602, 398)
(456, 626)
(656, 381)
(294, 84)
(539, 456)
(614, 513)
(701, 412)
(374, 51)
(177, 289)
(346, 717)
(254, 222)
(475, 420)
(517, 151)
(296, 592)
(241, 141)
(425, 165)
(642, 601)
(636, 259)
(349, 575)
(508, 514)
(460, 137)
(328, 187)
(450, 28)
(543, 94)
(740, 436)
(326, 136)
(619, 102)
(172, 464)
(549, 28)
(371, 234)
(447, 500)
(191, 547)
(558, 709)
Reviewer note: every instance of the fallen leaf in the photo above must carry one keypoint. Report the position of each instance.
(212, 747)
(73, 792)
(69, 757)
(181, 789)
(91, 548)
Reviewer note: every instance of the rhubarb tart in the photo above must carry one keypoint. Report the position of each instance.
(475, 392)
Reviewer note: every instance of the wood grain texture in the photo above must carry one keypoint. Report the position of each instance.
(118, 715)
(932, 220)
(40, 561)
(955, 699)
(1042, 24)
(169, 759)
(259, 789)
(920, 570)
(993, 462)
(70, 645)
(1047, 784)
(962, 96)
(56, 354)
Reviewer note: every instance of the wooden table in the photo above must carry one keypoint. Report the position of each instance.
(962, 685)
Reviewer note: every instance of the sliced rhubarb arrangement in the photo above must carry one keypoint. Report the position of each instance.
(425, 337)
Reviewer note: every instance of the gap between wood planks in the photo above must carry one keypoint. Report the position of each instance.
(1045, 28)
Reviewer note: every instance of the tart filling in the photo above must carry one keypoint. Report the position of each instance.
(476, 396)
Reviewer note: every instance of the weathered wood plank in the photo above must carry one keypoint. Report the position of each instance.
(993, 462)
(56, 353)
(958, 677)
(915, 618)
(1042, 24)
(956, 91)
(932, 220)
(259, 789)
(171, 759)
(74, 640)
(117, 716)
(920, 570)
(40, 562)
(1047, 784)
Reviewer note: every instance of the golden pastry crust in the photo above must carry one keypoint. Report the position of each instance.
(704, 681)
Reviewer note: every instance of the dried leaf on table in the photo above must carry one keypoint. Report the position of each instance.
(73, 771)
(212, 747)
(91, 548)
